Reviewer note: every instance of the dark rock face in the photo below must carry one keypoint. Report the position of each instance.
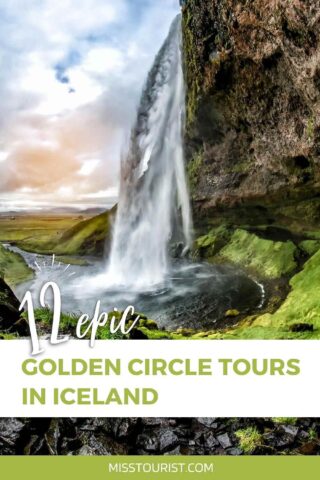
(157, 436)
(253, 103)
(11, 433)
(9, 308)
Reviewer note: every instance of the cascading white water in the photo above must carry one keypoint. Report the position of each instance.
(153, 191)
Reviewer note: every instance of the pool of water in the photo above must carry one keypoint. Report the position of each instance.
(194, 295)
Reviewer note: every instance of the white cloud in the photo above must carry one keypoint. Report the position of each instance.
(3, 156)
(27, 190)
(88, 167)
(64, 191)
(103, 60)
(108, 193)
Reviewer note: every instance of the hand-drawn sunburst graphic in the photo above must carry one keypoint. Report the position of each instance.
(52, 267)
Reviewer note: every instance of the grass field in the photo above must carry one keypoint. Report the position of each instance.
(35, 227)
(59, 234)
(37, 232)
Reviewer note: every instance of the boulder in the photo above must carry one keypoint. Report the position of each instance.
(9, 308)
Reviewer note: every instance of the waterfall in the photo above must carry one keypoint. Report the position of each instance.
(154, 200)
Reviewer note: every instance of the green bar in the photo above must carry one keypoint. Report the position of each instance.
(147, 468)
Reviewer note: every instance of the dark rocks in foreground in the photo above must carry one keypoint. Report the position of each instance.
(9, 310)
(159, 436)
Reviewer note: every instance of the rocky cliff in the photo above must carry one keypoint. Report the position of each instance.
(253, 150)
(253, 104)
(10, 321)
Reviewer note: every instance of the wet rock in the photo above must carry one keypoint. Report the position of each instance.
(278, 439)
(11, 430)
(172, 422)
(152, 422)
(69, 445)
(306, 422)
(303, 435)
(234, 451)
(207, 422)
(167, 439)
(210, 441)
(52, 437)
(224, 440)
(176, 451)
(93, 447)
(290, 430)
(177, 250)
(93, 424)
(120, 427)
(137, 334)
(37, 446)
(34, 446)
(126, 427)
(198, 436)
(85, 451)
(21, 328)
(9, 308)
(149, 443)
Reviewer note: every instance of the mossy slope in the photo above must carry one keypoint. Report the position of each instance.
(297, 317)
(13, 268)
(267, 258)
(303, 302)
(87, 237)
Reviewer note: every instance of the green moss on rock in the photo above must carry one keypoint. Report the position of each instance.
(208, 245)
(249, 439)
(303, 302)
(8, 336)
(194, 169)
(310, 247)
(232, 313)
(306, 212)
(192, 67)
(285, 420)
(267, 258)
(301, 308)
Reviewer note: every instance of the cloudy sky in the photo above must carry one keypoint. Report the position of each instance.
(71, 74)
